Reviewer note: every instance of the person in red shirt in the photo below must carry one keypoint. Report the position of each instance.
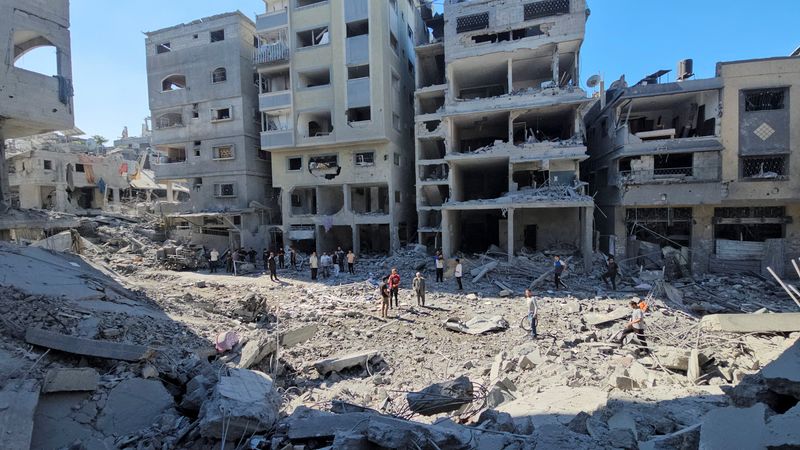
(394, 287)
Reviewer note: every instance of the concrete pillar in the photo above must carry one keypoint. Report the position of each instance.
(702, 239)
(555, 66)
(318, 230)
(61, 197)
(170, 192)
(510, 221)
(510, 76)
(356, 239)
(116, 199)
(348, 199)
(4, 185)
(587, 219)
(447, 244)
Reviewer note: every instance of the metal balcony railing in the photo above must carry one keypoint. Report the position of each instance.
(271, 53)
(705, 173)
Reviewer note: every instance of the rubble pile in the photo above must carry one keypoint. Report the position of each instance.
(151, 358)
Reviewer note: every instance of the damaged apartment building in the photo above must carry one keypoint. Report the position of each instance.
(203, 104)
(499, 135)
(700, 168)
(335, 88)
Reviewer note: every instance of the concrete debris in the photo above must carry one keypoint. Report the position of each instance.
(86, 347)
(133, 405)
(783, 374)
(255, 350)
(740, 428)
(477, 325)
(17, 407)
(752, 323)
(67, 380)
(243, 403)
(441, 397)
(595, 319)
(339, 363)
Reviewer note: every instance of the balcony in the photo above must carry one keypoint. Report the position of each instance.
(277, 139)
(272, 20)
(670, 175)
(358, 92)
(357, 50)
(172, 171)
(274, 100)
(276, 52)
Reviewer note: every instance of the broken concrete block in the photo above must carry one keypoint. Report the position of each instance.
(622, 382)
(531, 360)
(396, 433)
(345, 440)
(752, 323)
(243, 403)
(497, 395)
(86, 347)
(496, 421)
(599, 319)
(693, 371)
(149, 371)
(573, 306)
(783, 430)
(17, 407)
(339, 363)
(65, 380)
(783, 374)
(578, 423)
(685, 439)
(197, 390)
(622, 438)
(132, 405)
(557, 405)
(495, 370)
(739, 428)
(505, 293)
(309, 424)
(441, 397)
(477, 325)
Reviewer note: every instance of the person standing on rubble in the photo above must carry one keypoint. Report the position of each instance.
(281, 258)
(213, 258)
(265, 259)
(293, 258)
(459, 272)
(340, 259)
(611, 272)
(228, 261)
(635, 325)
(533, 311)
(273, 267)
(252, 256)
(394, 288)
(351, 262)
(418, 283)
(325, 262)
(385, 300)
(558, 269)
(313, 262)
(439, 260)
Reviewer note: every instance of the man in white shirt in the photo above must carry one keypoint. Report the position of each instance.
(214, 259)
(533, 311)
(439, 260)
(458, 273)
(635, 325)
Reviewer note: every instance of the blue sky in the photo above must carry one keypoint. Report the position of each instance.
(633, 37)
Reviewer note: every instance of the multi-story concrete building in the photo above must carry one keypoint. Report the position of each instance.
(335, 83)
(499, 137)
(32, 102)
(700, 165)
(203, 103)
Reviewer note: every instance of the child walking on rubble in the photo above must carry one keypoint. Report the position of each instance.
(394, 288)
(385, 300)
(533, 311)
(558, 269)
(635, 325)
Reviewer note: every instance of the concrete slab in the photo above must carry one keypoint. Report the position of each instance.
(56, 426)
(17, 408)
(739, 428)
(321, 426)
(243, 403)
(752, 323)
(687, 438)
(65, 380)
(339, 363)
(557, 405)
(594, 319)
(86, 347)
(255, 350)
(783, 374)
(133, 405)
(783, 431)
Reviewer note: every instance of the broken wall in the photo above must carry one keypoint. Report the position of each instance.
(554, 227)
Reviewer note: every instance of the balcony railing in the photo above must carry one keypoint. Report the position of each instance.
(644, 176)
(271, 53)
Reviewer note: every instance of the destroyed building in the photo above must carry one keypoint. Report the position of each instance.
(335, 82)
(205, 129)
(498, 132)
(701, 166)
(33, 102)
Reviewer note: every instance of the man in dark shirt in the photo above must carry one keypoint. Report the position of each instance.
(281, 258)
(611, 272)
(273, 268)
(558, 269)
(340, 259)
(394, 287)
(292, 258)
(385, 297)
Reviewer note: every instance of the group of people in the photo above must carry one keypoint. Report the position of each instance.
(390, 291)
(330, 262)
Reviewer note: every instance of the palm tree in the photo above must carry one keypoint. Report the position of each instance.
(100, 140)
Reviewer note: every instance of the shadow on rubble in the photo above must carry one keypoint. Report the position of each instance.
(87, 360)
(762, 411)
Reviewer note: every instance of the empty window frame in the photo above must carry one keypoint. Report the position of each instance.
(79, 168)
(472, 22)
(323, 162)
(294, 163)
(397, 159)
(197, 148)
(164, 47)
(219, 114)
(361, 71)
(359, 114)
(393, 42)
(764, 167)
(314, 78)
(312, 38)
(173, 83)
(396, 122)
(545, 8)
(302, 3)
(169, 120)
(358, 28)
(217, 35)
(195, 111)
(219, 75)
(764, 100)
(223, 152)
(398, 196)
(48, 165)
(224, 190)
(364, 159)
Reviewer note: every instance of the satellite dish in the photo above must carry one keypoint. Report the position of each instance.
(593, 81)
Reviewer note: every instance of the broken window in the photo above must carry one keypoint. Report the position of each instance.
(323, 162)
(763, 100)
(361, 71)
(397, 196)
(358, 28)
(676, 164)
(314, 37)
(220, 114)
(295, 163)
(223, 152)
(48, 165)
(163, 47)
(764, 167)
(316, 124)
(173, 83)
(393, 42)
(410, 33)
(410, 67)
(169, 120)
(513, 35)
(195, 111)
(314, 78)
(396, 122)
(545, 8)
(274, 82)
(472, 22)
(755, 224)
(276, 121)
(359, 114)
(79, 168)
(197, 183)
(396, 159)
(301, 3)
(365, 159)
(224, 190)
(219, 75)
(217, 35)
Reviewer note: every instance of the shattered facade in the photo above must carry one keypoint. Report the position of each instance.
(335, 78)
(33, 102)
(204, 111)
(701, 166)
(498, 132)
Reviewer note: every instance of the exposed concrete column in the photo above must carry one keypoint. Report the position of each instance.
(4, 185)
(356, 239)
(510, 221)
(555, 66)
(61, 197)
(394, 237)
(702, 237)
(587, 218)
(115, 200)
(348, 199)
(510, 75)
(318, 229)
(170, 193)
(447, 245)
